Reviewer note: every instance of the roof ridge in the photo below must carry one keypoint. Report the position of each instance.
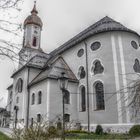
(103, 25)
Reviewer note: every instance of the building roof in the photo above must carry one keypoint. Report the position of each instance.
(54, 70)
(9, 87)
(104, 25)
(33, 18)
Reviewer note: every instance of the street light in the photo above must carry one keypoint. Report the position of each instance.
(63, 83)
(16, 108)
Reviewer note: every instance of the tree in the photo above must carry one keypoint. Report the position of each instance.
(9, 28)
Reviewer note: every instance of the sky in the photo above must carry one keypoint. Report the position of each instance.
(63, 19)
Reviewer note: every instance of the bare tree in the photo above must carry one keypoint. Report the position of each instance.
(10, 29)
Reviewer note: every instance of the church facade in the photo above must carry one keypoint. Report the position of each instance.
(100, 63)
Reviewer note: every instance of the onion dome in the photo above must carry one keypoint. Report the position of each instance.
(33, 18)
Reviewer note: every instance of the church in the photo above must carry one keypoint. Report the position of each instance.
(99, 63)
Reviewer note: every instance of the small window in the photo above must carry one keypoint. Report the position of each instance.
(19, 85)
(134, 44)
(97, 67)
(66, 118)
(136, 66)
(33, 99)
(34, 41)
(39, 97)
(38, 118)
(80, 52)
(81, 72)
(95, 46)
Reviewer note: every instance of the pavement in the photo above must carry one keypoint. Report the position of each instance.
(6, 131)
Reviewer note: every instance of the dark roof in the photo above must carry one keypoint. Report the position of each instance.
(104, 25)
(11, 86)
(53, 71)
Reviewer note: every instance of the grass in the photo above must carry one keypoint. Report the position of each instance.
(94, 136)
(4, 137)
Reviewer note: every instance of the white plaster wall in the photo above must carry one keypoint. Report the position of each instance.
(51, 106)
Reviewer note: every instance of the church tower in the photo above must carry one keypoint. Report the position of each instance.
(32, 30)
(32, 37)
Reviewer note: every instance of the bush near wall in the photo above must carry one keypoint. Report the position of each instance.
(135, 130)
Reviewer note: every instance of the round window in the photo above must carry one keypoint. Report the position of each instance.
(80, 52)
(134, 44)
(94, 46)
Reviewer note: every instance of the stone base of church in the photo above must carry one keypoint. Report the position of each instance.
(110, 128)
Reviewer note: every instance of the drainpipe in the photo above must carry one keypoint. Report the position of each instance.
(28, 100)
(87, 81)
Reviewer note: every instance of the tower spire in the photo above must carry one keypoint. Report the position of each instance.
(34, 11)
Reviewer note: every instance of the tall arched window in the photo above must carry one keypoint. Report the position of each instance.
(99, 92)
(19, 85)
(67, 97)
(81, 72)
(33, 99)
(39, 97)
(82, 98)
(34, 41)
(97, 67)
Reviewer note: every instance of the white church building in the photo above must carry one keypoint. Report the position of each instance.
(99, 62)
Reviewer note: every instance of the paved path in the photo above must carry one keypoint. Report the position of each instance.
(6, 131)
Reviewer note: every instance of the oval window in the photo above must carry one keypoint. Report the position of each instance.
(80, 52)
(134, 44)
(96, 45)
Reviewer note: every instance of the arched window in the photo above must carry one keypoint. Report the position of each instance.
(67, 118)
(33, 99)
(82, 98)
(136, 66)
(39, 97)
(38, 117)
(19, 85)
(67, 97)
(99, 92)
(97, 67)
(34, 41)
(81, 72)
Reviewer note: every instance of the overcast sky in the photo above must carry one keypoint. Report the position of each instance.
(62, 19)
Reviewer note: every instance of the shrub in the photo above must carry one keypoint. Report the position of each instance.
(99, 130)
(52, 131)
(135, 130)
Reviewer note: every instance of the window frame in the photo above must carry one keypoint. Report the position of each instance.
(33, 99)
(95, 107)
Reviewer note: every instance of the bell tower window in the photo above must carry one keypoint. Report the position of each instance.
(34, 41)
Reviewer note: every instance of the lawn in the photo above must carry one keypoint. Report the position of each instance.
(94, 136)
(3, 137)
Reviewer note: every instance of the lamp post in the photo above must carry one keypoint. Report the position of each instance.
(16, 110)
(63, 83)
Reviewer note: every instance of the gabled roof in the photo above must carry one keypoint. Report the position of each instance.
(54, 70)
(104, 25)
